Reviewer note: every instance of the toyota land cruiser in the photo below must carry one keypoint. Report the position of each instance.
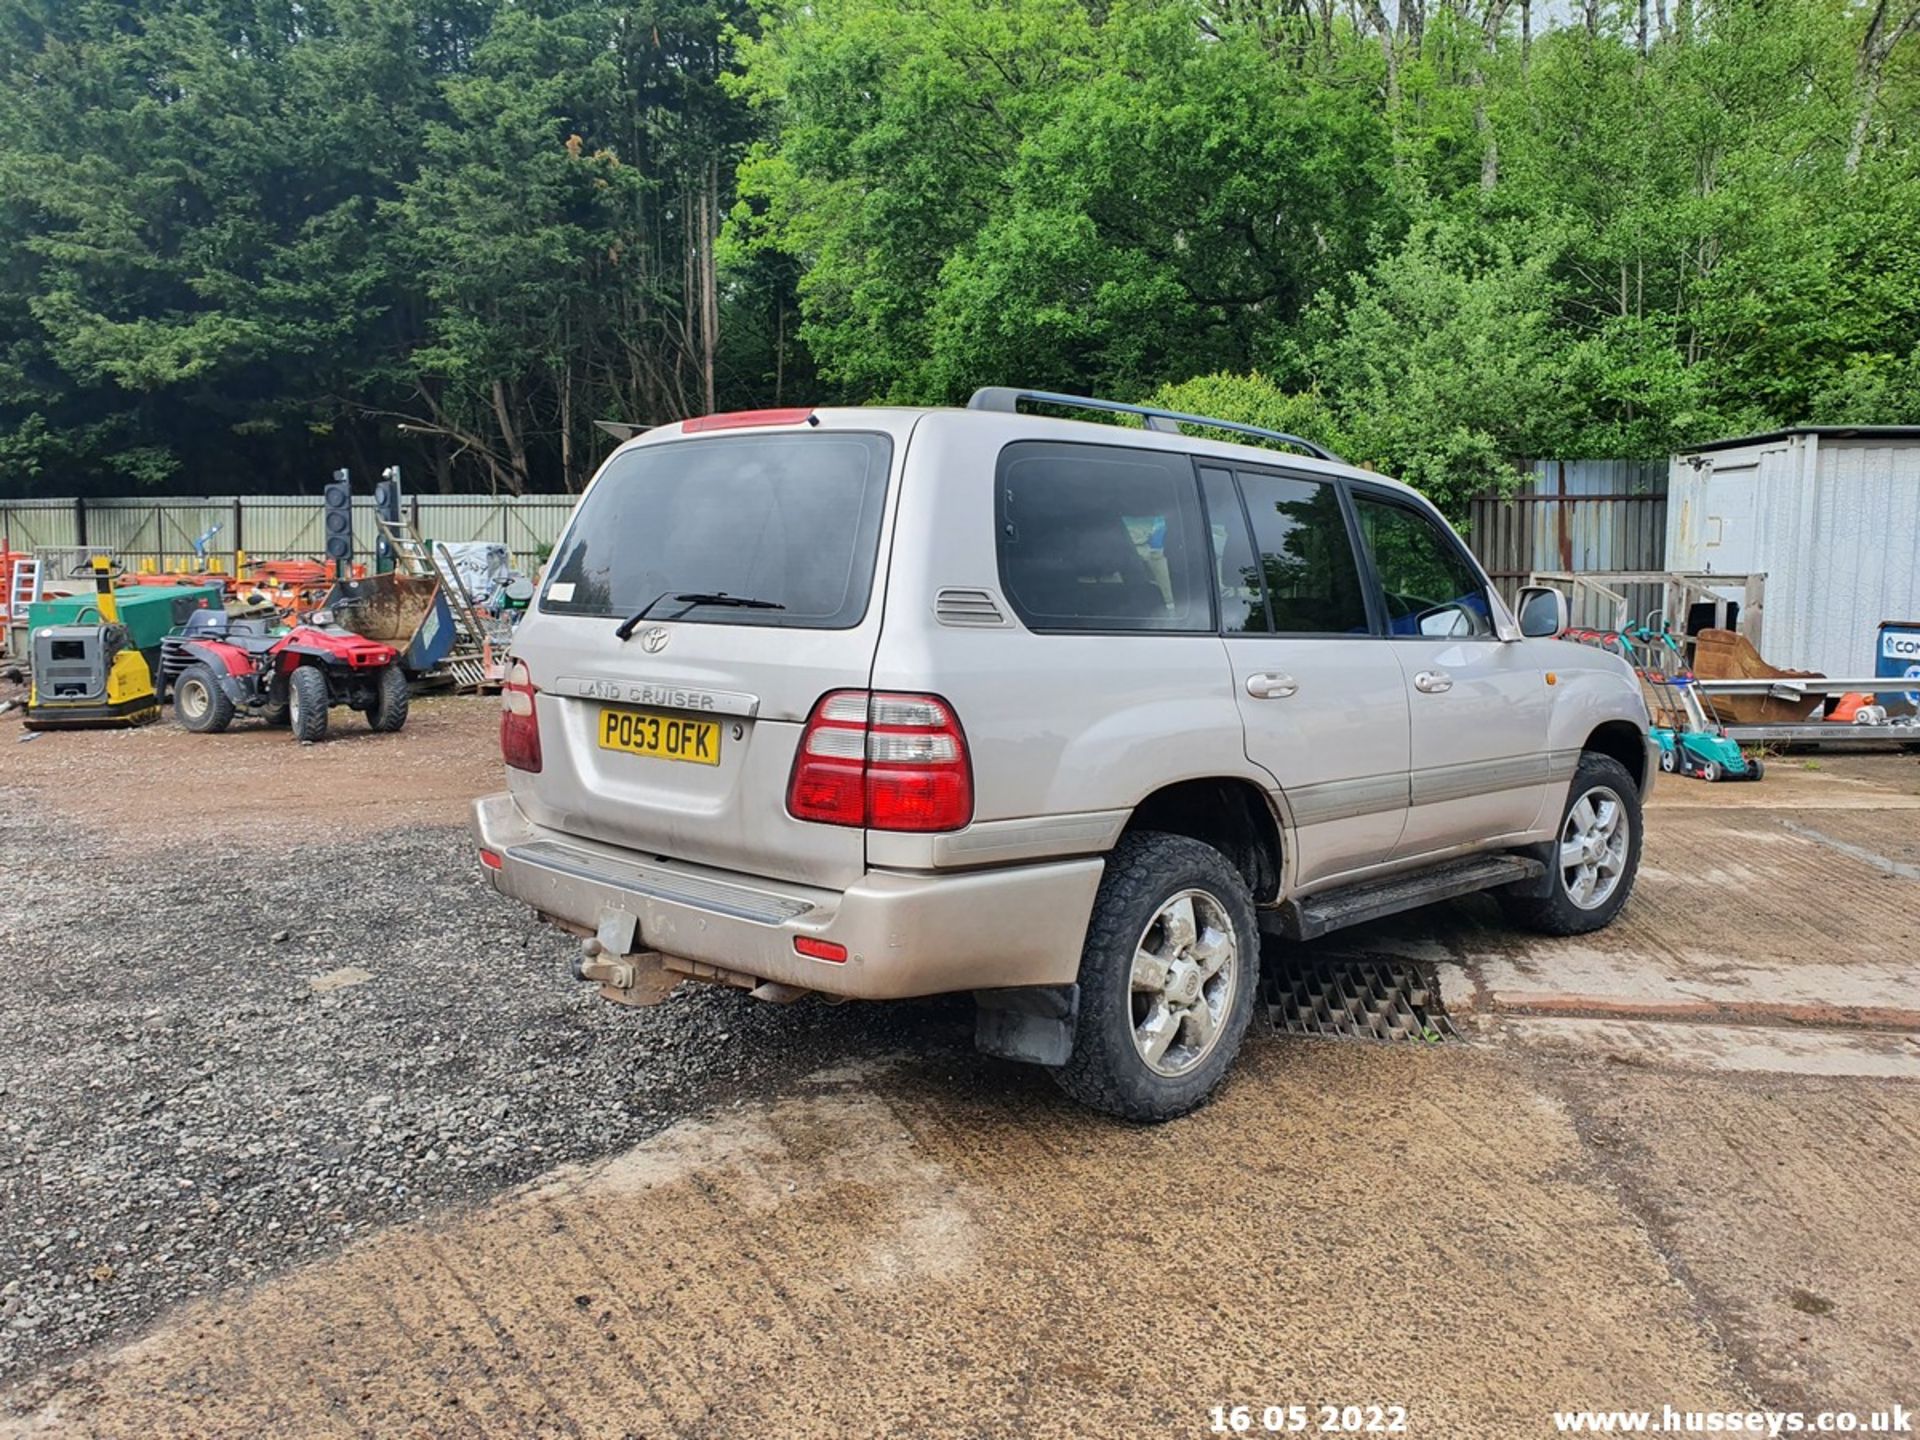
(878, 702)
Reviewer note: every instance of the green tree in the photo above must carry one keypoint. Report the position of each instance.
(1049, 192)
(563, 219)
(188, 229)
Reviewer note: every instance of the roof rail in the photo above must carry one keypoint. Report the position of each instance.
(1008, 398)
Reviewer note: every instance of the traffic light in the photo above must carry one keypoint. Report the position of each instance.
(339, 520)
(386, 504)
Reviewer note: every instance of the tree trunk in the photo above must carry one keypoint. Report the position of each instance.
(779, 350)
(689, 285)
(1489, 144)
(1875, 47)
(516, 452)
(1389, 52)
(709, 282)
(566, 427)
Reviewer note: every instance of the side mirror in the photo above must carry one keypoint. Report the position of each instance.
(1542, 612)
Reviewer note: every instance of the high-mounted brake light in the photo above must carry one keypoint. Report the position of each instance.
(884, 761)
(519, 719)
(738, 419)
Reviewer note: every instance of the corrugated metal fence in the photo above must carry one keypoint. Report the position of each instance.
(1579, 515)
(270, 527)
(1585, 516)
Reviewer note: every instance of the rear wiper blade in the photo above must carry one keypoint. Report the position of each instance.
(720, 597)
(693, 598)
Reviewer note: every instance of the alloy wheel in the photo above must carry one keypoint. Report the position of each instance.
(1184, 973)
(1593, 848)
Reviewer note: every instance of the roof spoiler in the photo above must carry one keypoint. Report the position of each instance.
(1008, 398)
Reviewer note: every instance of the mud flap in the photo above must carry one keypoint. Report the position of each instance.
(1031, 1023)
(1537, 887)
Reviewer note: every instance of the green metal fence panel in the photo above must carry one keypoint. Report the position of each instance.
(160, 534)
(30, 524)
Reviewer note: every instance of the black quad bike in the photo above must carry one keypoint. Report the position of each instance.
(220, 666)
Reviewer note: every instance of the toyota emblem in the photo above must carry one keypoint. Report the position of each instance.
(653, 639)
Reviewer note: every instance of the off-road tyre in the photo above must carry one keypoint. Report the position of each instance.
(389, 709)
(1557, 912)
(1106, 1069)
(200, 704)
(308, 699)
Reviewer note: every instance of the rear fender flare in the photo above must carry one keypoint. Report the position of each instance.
(224, 658)
(239, 678)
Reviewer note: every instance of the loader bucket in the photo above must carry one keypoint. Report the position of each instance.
(407, 612)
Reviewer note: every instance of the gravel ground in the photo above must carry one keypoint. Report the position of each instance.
(224, 1055)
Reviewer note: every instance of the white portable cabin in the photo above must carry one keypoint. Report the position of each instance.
(1829, 514)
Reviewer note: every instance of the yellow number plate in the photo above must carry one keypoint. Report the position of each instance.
(665, 737)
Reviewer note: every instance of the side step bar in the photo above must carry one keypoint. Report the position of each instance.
(1332, 910)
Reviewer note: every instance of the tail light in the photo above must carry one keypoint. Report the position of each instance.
(883, 761)
(519, 721)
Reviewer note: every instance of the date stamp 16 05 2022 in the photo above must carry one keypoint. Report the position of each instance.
(1316, 1419)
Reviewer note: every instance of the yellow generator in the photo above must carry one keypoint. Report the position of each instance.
(89, 674)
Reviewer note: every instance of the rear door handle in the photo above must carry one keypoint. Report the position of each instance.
(1271, 686)
(1433, 682)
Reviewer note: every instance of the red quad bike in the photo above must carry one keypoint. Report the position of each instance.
(220, 666)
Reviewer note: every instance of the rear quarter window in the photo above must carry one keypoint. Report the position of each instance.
(1097, 537)
(790, 519)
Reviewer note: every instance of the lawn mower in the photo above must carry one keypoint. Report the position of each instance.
(1691, 741)
(221, 665)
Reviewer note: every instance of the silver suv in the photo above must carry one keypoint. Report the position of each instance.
(877, 703)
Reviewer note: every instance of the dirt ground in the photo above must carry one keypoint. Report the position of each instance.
(1670, 1164)
(160, 782)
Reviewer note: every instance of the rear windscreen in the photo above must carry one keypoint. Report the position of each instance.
(790, 520)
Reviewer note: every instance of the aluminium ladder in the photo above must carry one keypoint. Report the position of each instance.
(478, 662)
(23, 588)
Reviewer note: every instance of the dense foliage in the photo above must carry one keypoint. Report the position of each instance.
(243, 242)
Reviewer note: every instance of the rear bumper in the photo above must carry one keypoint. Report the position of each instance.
(906, 933)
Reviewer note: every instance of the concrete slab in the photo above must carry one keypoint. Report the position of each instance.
(894, 1254)
(1785, 1204)
(1734, 915)
(1740, 913)
(1778, 1050)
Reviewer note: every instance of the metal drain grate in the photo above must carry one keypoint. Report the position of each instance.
(1356, 1000)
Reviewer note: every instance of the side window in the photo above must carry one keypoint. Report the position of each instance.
(1430, 588)
(1306, 556)
(1236, 574)
(1096, 537)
